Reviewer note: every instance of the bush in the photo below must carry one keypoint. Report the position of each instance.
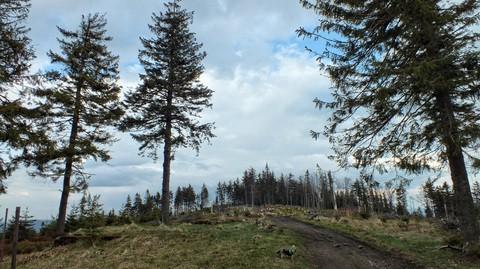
(26, 247)
(236, 212)
(337, 216)
(405, 219)
(474, 251)
(454, 240)
(450, 224)
(362, 215)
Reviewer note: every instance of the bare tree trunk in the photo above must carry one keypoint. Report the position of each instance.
(458, 171)
(167, 158)
(246, 194)
(445, 209)
(62, 210)
(15, 238)
(2, 244)
(253, 196)
(287, 188)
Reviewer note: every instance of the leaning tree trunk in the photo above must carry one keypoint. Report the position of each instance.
(463, 196)
(62, 211)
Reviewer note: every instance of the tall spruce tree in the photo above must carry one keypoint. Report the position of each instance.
(15, 56)
(203, 197)
(83, 96)
(166, 106)
(406, 85)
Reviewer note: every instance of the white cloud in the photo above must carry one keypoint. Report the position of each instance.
(264, 84)
(263, 114)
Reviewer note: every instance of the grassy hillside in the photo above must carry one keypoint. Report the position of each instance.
(244, 239)
(227, 245)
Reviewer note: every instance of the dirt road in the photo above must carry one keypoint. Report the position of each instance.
(329, 250)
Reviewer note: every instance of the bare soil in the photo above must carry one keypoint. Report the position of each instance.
(329, 250)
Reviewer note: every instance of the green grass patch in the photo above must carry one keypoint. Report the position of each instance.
(229, 245)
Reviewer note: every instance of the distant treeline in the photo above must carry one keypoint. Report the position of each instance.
(322, 191)
(315, 190)
(318, 190)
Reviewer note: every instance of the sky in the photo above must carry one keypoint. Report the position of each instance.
(264, 82)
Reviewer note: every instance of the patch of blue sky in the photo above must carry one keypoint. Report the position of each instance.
(299, 42)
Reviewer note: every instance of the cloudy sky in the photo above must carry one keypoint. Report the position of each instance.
(264, 83)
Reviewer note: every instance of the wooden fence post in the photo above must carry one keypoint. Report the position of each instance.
(15, 238)
(2, 243)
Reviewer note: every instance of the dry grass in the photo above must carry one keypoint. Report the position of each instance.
(418, 240)
(229, 245)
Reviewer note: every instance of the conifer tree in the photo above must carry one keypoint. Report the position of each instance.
(476, 193)
(82, 205)
(158, 200)
(137, 207)
(15, 52)
(406, 77)
(25, 226)
(15, 56)
(203, 197)
(94, 216)
(148, 206)
(83, 97)
(127, 210)
(401, 196)
(281, 191)
(72, 222)
(178, 201)
(111, 218)
(220, 194)
(248, 181)
(189, 197)
(165, 107)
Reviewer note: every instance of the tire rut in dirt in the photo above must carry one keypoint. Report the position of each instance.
(329, 250)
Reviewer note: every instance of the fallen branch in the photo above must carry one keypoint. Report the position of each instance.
(451, 247)
(71, 239)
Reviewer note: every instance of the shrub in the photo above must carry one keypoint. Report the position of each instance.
(364, 215)
(405, 219)
(474, 251)
(450, 224)
(26, 247)
(454, 240)
(337, 216)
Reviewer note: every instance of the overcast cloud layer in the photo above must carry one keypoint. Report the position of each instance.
(264, 83)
